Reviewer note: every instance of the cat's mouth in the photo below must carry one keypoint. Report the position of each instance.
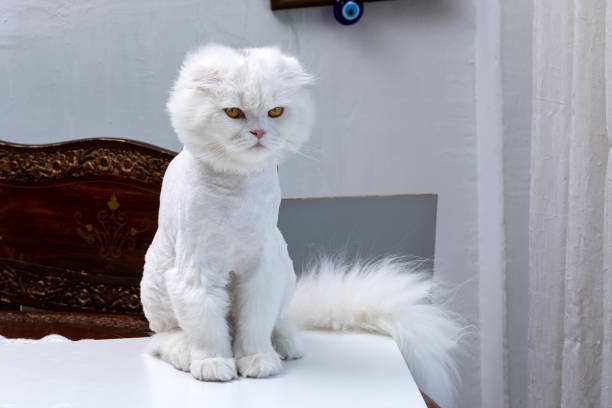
(258, 146)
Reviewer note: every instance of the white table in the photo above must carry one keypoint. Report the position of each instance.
(339, 370)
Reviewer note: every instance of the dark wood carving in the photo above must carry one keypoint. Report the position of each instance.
(62, 289)
(76, 219)
(95, 157)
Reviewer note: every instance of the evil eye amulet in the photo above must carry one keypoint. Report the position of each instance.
(348, 12)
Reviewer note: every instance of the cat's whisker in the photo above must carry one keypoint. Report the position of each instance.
(307, 156)
(309, 149)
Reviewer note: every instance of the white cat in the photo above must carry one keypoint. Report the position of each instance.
(218, 282)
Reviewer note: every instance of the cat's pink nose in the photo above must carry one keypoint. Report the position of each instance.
(259, 133)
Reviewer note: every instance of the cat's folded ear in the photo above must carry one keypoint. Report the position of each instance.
(206, 81)
(204, 68)
(294, 74)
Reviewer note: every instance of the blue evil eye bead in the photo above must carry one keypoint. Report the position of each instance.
(348, 12)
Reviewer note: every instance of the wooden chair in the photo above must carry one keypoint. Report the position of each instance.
(76, 219)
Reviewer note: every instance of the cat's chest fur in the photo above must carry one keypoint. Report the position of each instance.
(230, 218)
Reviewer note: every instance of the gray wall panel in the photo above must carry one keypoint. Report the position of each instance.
(359, 226)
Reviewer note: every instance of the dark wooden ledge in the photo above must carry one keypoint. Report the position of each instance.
(75, 326)
(290, 4)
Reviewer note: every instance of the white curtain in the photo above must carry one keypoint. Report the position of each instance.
(570, 288)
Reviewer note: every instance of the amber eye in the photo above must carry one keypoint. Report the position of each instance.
(275, 112)
(234, 113)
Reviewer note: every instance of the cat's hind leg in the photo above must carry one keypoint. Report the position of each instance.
(287, 341)
(155, 300)
(172, 347)
(159, 261)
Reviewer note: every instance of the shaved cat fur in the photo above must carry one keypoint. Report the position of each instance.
(218, 284)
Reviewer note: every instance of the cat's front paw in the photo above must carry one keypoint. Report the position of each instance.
(213, 369)
(259, 365)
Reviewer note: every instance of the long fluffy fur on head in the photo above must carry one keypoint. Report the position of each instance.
(391, 296)
(253, 80)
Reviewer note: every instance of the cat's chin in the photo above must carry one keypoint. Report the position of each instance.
(253, 160)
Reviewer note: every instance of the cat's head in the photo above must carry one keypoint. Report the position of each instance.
(240, 110)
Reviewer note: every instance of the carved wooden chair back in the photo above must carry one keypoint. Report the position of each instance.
(76, 219)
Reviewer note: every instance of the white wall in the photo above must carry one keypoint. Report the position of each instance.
(396, 98)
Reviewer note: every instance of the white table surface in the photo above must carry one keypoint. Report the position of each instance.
(338, 370)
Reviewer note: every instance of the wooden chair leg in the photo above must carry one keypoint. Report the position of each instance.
(430, 403)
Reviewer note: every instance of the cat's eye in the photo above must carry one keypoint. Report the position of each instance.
(276, 112)
(234, 113)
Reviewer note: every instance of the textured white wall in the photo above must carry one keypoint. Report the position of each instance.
(396, 97)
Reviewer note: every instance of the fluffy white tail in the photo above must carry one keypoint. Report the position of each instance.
(390, 296)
